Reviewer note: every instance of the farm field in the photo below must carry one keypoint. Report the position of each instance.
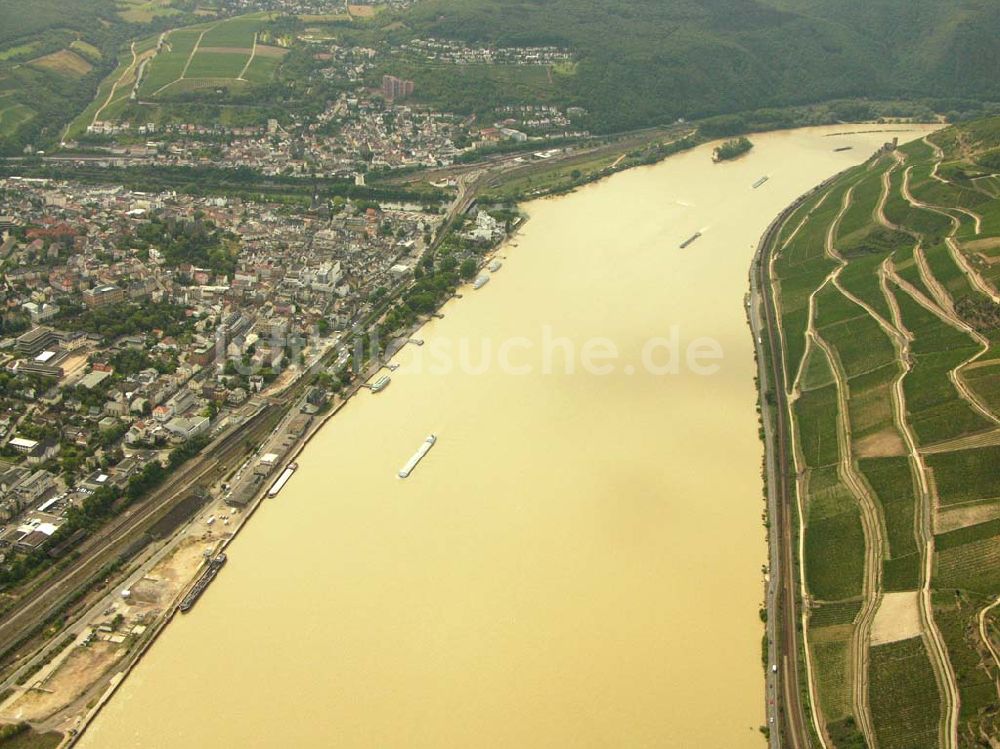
(465, 87)
(12, 116)
(977, 689)
(64, 62)
(194, 59)
(20, 50)
(114, 91)
(264, 64)
(217, 54)
(892, 483)
(887, 296)
(144, 11)
(905, 702)
(831, 654)
(88, 50)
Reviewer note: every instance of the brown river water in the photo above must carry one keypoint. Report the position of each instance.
(577, 561)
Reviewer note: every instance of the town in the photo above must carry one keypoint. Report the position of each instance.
(146, 321)
(356, 134)
(168, 346)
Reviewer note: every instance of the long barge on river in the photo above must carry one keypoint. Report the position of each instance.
(690, 240)
(424, 448)
(207, 576)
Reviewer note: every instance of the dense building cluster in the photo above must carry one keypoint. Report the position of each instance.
(460, 53)
(135, 322)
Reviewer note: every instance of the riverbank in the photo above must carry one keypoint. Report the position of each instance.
(786, 719)
(295, 451)
(560, 512)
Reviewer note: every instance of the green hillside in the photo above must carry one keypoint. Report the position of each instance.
(635, 64)
(891, 275)
(650, 61)
(53, 56)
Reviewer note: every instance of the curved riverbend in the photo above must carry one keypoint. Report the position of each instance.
(576, 562)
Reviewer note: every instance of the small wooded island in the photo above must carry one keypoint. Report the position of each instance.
(731, 149)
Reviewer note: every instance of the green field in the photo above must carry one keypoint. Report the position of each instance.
(860, 344)
(835, 542)
(831, 655)
(12, 116)
(965, 484)
(217, 65)
(799, 215)
(169, 63)
(967, 475)
(947, 272)
(209, 56)
(88, 50)
(870, 406)
(919, 220)
(144, 11)
(816, 372)
(829, 614)
(906, 266)
(917, 149)
(991, 218)
(984, 381)
(864, 198)
(936, 409)
(20, 50)
(974, 566)
(861, 279)
(904, 700)
(975, 676)
(234, 32)
(816, 414)
(262, 69)
(968, 534)
(954, 195)
(892, 483)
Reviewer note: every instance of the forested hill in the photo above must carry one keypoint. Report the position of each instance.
(645, 61)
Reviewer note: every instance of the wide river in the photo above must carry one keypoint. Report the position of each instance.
(577, 562)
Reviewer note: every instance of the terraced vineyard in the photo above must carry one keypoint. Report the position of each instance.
(885, 284)
(219, 54)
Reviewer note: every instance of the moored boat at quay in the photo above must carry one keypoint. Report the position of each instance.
(207, 576)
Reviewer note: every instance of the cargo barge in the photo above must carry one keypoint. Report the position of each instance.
(690, 239)
(760, 182)
(199, 587)
(417, 456)
(278, 485)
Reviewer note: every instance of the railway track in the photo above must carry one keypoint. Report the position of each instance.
(50, 594)
(783, 603)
